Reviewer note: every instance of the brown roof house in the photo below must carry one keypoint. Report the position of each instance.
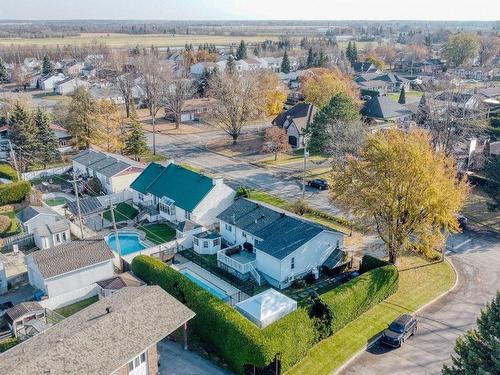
(69, 272)
(295, 120)
(109, 286)
(117, 335)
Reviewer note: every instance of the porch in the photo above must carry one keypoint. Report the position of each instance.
(240, 262)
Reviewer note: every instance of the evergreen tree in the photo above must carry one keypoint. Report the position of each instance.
(4, 76)
(354, 52)
(47, 66)
(492, 186)
(478, 351)
(23, 135)
(322, 59)
(310, 58)
(79, 119)
(423, 113)
(230, 65)
(402, 96)
(241, 53)
(340, 108)
(285, 64)
(348, 52)
(47, 150)
(135, 141)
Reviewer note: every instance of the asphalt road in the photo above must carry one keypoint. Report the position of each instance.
(192, 150)
(476, 257)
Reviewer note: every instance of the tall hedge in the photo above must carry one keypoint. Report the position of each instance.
(237, 340)
(369, 263)
(357, 296)
(14, 193)
(6, 171)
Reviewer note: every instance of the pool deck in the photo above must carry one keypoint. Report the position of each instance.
(218, 282)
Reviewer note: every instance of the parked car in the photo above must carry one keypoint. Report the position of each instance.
(399, 330)
(318, 183)
(462, 221)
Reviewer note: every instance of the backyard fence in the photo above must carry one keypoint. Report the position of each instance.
(115, 198)
(46, 172)
(23, 240)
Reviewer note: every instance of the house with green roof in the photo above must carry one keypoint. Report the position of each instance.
(181, 196)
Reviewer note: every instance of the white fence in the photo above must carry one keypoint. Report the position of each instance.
(70, 297)
(116, 198)
(46, 172)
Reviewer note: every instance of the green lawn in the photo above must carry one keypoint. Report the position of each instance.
(420, 282)
(123, 212)
(158, 233)
(296, 156)
(268, 198)
(477, 211)
(14, 224)
(75, 307)
(409, 94)
(57, 201)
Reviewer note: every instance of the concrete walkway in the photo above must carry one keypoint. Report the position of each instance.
(174, 360)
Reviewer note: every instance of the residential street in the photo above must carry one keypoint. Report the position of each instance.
(476, 256)
(191, 149)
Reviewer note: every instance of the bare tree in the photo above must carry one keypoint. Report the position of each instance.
(344, 138)
(276, 141)
(154, 74)
(489, 47)
(178, 91)
(239, 100)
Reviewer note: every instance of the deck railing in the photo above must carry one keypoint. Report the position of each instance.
(240, 267)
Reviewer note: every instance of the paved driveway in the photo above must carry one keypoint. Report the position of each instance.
(476, 256)
(176, 361)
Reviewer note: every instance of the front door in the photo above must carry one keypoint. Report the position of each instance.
(292, 140)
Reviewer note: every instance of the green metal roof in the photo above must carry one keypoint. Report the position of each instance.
(186, 188)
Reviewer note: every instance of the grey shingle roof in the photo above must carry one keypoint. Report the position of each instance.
(71, 256)
(95, 342)
(21, 309)
(106, 164)
(120, 281)
(301, 113)
(281, 233)
(383, 107)
(52, 228)
(209, 235)
(88, 206)
(30, 212)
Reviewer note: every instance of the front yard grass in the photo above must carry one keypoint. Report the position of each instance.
(296, 156)
(77, 306)
(123, 212)
(477, 211)
(420, 282)
(158, 233)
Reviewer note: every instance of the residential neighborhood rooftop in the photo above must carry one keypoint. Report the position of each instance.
(106, 164)
(383, 107)
(30, 212)
(71, 256)
(101, 338)
(21, 309)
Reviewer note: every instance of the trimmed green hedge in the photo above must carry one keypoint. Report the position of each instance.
(234, 338)
(6, 171)
(357, 296)
(14, 193)
(369, 263)
(7, 344)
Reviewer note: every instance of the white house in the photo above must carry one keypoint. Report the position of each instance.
(48, 82)
(115, 172)
(68, 272)
(275, 245)
(48, 235)
(69, 85)
(207, 242)
(33, 217)
(180, 194)
(199, 68)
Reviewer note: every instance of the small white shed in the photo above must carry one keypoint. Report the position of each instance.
(207, 242)
(266, 307)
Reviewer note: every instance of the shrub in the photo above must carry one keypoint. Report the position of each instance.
(14, 193)
(242, 192)
(323, 318)
(239, 342)
(300, 207)
(6, 171)
(299, 283)
(94, 187)
(309, 278)
(353, 298)
(369, 263)
(7, 344)
(4, 223)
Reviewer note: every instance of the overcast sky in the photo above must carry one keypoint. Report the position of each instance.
(252, 9)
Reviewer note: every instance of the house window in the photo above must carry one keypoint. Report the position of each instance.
(58, 238)
(229, 228)
(256, 242)
(205, 244)
(217, 242)
(187, 215)
(195, 241)
(136, 362)
(140, 196)
(292, 263)
(64, 236)
(244, 234)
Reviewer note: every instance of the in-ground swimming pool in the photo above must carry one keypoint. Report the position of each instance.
(129, 242)
(205, 284)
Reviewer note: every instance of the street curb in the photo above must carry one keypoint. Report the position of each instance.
(375, 339)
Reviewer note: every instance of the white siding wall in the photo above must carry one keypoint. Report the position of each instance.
(34, 276)
(120, 183)
(215, 202)
(228, 235)
(79, 278)
(268, 264)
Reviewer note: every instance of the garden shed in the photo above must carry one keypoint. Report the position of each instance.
(266, 307)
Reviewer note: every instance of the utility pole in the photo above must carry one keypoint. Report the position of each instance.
(13, 156)
(117, 239)
(75, 187)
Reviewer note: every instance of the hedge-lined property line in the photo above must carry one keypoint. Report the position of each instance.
(239, 342)
(14, 193)
(7, 172)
